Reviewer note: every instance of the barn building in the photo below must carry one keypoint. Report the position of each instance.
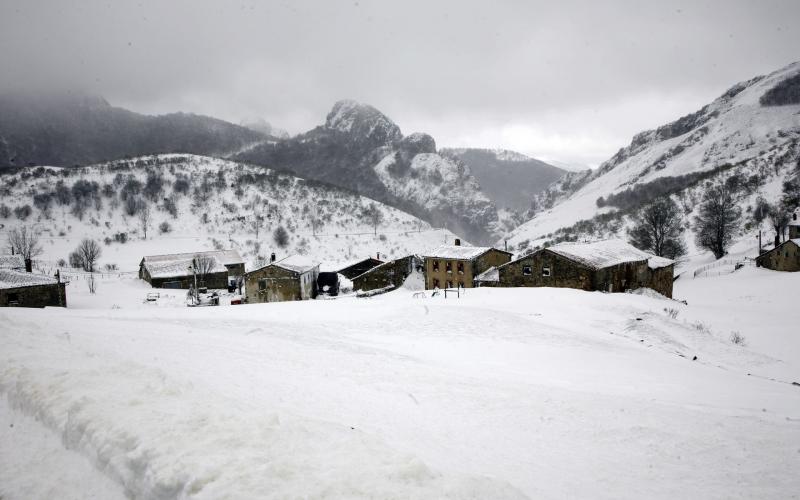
(354, 269)
(784, 257)
(292, 278)
(451, 266)
(390, 275)
(610, 266)
(24, 289)
(178, 270)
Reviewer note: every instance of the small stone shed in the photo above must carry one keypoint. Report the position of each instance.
(292, 278)
(784, 257)
(175, 270)
(450, 266)
(609, 265)
(22, 289)
(389, 275)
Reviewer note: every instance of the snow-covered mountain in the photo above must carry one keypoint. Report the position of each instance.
(510, 179)
(67, 129)
(200, 203)
(361, 149)
(750, 134)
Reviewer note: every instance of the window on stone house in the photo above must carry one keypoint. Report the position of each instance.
(435, 265)
(460, 284)
(526, 270)
(545, 271)
(13, 299)
(449, 284)
(460, 268)
(448, 267)
(262, 285)
(435, 283)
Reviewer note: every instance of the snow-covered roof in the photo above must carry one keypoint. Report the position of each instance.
(12, 262)
(336, 266)
(178, 264)
(656, 262)
(457, 252)
(296, 263)
(600, 254)
(10, 278)
(490, 275)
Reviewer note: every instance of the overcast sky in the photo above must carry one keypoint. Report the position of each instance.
(570, 81)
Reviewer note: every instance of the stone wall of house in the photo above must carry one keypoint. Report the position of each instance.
(389, 274)
(661, 280)
(54, 295)
(785, 257)
(272, 284)
(544, 268)
(492, 258)
(622, 277)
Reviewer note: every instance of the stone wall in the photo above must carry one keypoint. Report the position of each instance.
(661, 280)
(34, 296)
(276, 284)
(213, 280)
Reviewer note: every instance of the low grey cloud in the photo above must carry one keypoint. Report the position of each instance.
(571, 80)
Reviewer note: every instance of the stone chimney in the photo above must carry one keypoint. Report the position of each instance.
(28, 266)
(458, 242)
(272, 257)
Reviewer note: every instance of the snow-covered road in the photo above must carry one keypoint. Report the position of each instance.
(500, 394)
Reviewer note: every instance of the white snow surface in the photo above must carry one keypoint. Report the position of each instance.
(606, 253)
(502, 393)
(12, 278)
(457, 252)
(178, 264)
(12, 262)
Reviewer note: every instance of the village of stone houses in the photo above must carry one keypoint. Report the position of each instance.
(207, 325)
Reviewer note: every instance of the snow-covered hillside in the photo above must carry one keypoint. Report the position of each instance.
(501, 393)
(734, 136)
(201, 203)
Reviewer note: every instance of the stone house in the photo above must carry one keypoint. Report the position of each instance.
(24, 289)
(794, 225)
(611, 266)
(292, 278)
(354, 269)
(450, 266)
(390, 275)
(784, 257)
(177, 270)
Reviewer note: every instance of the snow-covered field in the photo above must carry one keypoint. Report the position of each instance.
(503, 393)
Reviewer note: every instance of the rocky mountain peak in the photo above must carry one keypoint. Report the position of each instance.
(362, 122)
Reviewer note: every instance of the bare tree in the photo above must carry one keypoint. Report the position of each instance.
(657, 229)
(144, 218)
(258, 220)
(373, 216)
(24, 242)
(778, 215)
(718, 219)
(89, 252)
(203, 265)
